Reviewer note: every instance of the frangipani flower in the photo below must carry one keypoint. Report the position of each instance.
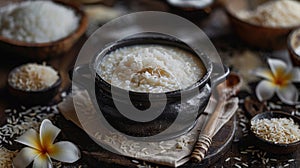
(278, 80)
(41, 148)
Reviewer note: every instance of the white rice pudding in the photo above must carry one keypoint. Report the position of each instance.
(151, 68)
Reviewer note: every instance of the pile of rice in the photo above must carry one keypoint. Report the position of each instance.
(281, 13)
(37, 21)
(277, 130)
(33, 77)
(151, 68)
(6, 157)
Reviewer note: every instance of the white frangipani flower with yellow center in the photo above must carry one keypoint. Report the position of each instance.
(278, 80)
(41, 148)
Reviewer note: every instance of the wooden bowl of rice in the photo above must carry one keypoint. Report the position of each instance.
(276, 132)
(34, 84)
(258, 35)
(45, 50)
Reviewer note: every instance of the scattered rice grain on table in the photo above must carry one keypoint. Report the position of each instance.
(20, 121)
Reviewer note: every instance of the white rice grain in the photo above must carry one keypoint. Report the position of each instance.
(37, 21)
(277, 130)
(151, 68)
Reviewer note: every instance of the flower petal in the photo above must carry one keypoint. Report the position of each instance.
(265, 90)
(30, 138)
(264, 73)
(296, 74)
(276, 64)
(25, 157)
(288, 94)
(48, 133)
(42, 161)
(65, 152)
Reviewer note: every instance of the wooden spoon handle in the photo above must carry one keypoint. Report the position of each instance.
(201, 148)
(205, 137)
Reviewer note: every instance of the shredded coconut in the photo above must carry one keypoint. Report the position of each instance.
(33, 77)
(37, 21)
(151, 68)
(282, 13)
(277, 130)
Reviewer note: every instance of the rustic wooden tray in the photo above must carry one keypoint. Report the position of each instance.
(94, 155)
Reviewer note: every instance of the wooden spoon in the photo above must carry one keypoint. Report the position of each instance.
(225, 90)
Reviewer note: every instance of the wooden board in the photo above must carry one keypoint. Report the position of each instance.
(94, 155)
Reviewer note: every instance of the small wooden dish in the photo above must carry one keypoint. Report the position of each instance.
(293, 43)
(41, 51)
(30, 98)
(268, 38)
(272, 147)
(193, 12)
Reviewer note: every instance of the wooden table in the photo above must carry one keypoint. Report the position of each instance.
(218, 29)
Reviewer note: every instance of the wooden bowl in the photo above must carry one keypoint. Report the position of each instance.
(30, 98)
(194, 11)
(272, 147)
(293, 43)
(41, 51)
(88, 1)
(267, 38)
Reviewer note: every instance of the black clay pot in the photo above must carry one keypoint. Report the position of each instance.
(182, 108)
